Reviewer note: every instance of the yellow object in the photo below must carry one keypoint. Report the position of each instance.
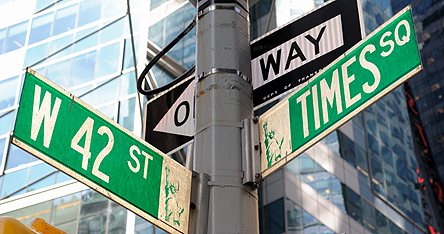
(41, 226)
(10, 225)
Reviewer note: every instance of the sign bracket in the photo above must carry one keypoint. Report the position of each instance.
(251, 151)
(199, 203)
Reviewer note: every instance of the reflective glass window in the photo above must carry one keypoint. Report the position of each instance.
(392, 188)
(126, 113)
(108, 60)
(142, 226)
(394, 229)
(93, 224)
(113, 8)
(43, 183)
(60, 47)
(378, 176)
(2, 149)
(311, 224)
(155, 33)
(86, 42)
(401, 169)
(15, 37)
(89, 11)
(332, 142)
(35, 54)
(117, 220)
(62, 177)
(40, 170)
(347, 148)
(59, 72)
(382, 224)
(373, 144)
(17, 157)
(106, 93)
(65, 20)
(361, 159)
(82, 69)
(156, 3)
(92, 202)
(387, 156)
(128, 60)
(41, 28)
(69, 227)
(6, 122)
(370, 121)
(8, 89)
(65, 208)
(111, 32)
(108, 110)
(28, 214)
(2, 38)
(353, 204)
(274, 217)
(43, 4)
(127, 84)
(294, 217)
(13, 181)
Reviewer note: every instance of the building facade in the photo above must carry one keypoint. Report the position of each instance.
(360, 179)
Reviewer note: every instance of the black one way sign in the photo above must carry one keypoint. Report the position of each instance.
(286, 57)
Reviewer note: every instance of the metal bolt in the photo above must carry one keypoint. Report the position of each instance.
(256, 147)
(257, 175)
(255, 120)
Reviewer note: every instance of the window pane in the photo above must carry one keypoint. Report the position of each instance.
(113, 7)
(17, 157)
(128, 60)
(126, 113)
(82, 69)
(14, 181)
(142, 226)
(2, 38)
(108, 111)
(40, 170)
(58, 44)
(127, 84)
(347, 148)
(59, 72)
(6, 122)
(65, 208)
(89, 11)
(92, 202)
(294, 217)
(274, 217)
(108, 60)
(8, 89)
(111, 32)
(93, 224)
(70, 227)
(41, 28)
(35, 54)
(15, 37)
(105, 93)
(27, 214)
(353, 206)
(65, 20)
(2, 149)
(41, 4)
(62, 177)
(155, 33)
(47, 181)
(368, 215)
(87, 42)
(117, 221)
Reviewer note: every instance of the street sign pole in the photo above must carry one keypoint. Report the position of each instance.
(223, 99)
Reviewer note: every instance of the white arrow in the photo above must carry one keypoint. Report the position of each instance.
(179, 119)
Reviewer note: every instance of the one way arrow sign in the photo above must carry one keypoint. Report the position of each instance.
(169, 123)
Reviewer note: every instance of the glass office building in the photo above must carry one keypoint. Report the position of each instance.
(360, 179)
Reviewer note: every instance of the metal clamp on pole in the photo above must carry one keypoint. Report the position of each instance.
(199, 203)
(251, 152)
(213, 70)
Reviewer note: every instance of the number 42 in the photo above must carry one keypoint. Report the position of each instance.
(87, 128)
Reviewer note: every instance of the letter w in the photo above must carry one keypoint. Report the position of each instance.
(272, 62)
(44, 112)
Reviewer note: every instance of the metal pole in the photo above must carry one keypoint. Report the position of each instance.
(223, 99)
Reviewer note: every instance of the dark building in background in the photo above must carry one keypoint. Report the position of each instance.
(425, 96)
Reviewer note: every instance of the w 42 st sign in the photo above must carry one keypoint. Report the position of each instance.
(360, 77)
(68, 134)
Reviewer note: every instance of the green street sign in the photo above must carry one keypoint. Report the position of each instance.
(364, 74)
(68, 134)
